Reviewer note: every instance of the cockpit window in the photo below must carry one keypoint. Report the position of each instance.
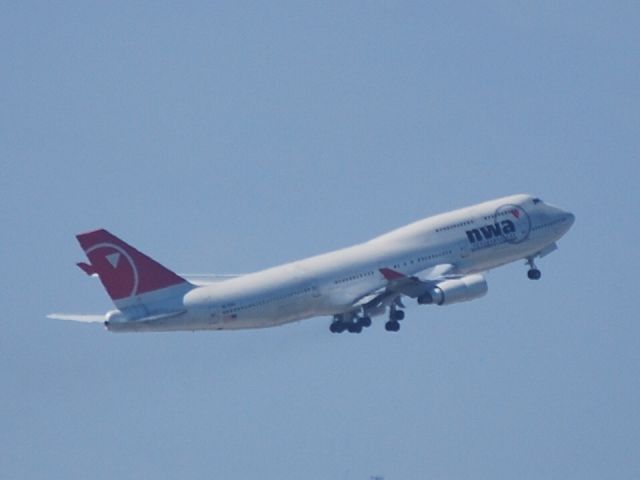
(536, 201)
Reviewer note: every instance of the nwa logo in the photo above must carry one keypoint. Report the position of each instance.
(511, 224)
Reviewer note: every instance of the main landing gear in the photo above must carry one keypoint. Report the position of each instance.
(395, 315)
(354, 324)
(350, 323)
(533, 273)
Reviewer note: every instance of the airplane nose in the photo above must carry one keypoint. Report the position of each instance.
(563, 219)
(570, 218)
(567, 221)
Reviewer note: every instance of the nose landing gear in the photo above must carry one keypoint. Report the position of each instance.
(533, 273)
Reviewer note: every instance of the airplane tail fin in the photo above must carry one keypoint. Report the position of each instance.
(130, 277)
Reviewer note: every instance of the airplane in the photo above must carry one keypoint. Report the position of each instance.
(440, 260)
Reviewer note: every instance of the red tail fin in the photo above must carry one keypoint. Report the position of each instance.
(124, 271)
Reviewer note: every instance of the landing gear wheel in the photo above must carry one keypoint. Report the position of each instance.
(392, 326)
(396, 315)
(337, 327)
(354, 327)
(534, 274)
(365, 322)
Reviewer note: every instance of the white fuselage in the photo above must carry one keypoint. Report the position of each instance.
(472, 239)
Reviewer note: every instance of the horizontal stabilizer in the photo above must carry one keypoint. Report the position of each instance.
(201, 279)
(77, 317)
(160, 316)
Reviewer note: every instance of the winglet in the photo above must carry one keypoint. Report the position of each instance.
(390, 274)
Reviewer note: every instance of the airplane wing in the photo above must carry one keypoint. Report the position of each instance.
(415, 285)
(77, 317)
(400, 284)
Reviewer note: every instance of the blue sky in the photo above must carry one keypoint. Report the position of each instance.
(229, 137)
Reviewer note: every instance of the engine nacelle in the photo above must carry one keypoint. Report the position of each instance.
(456, 290)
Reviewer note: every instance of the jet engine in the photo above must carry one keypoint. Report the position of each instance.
(455, 290)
